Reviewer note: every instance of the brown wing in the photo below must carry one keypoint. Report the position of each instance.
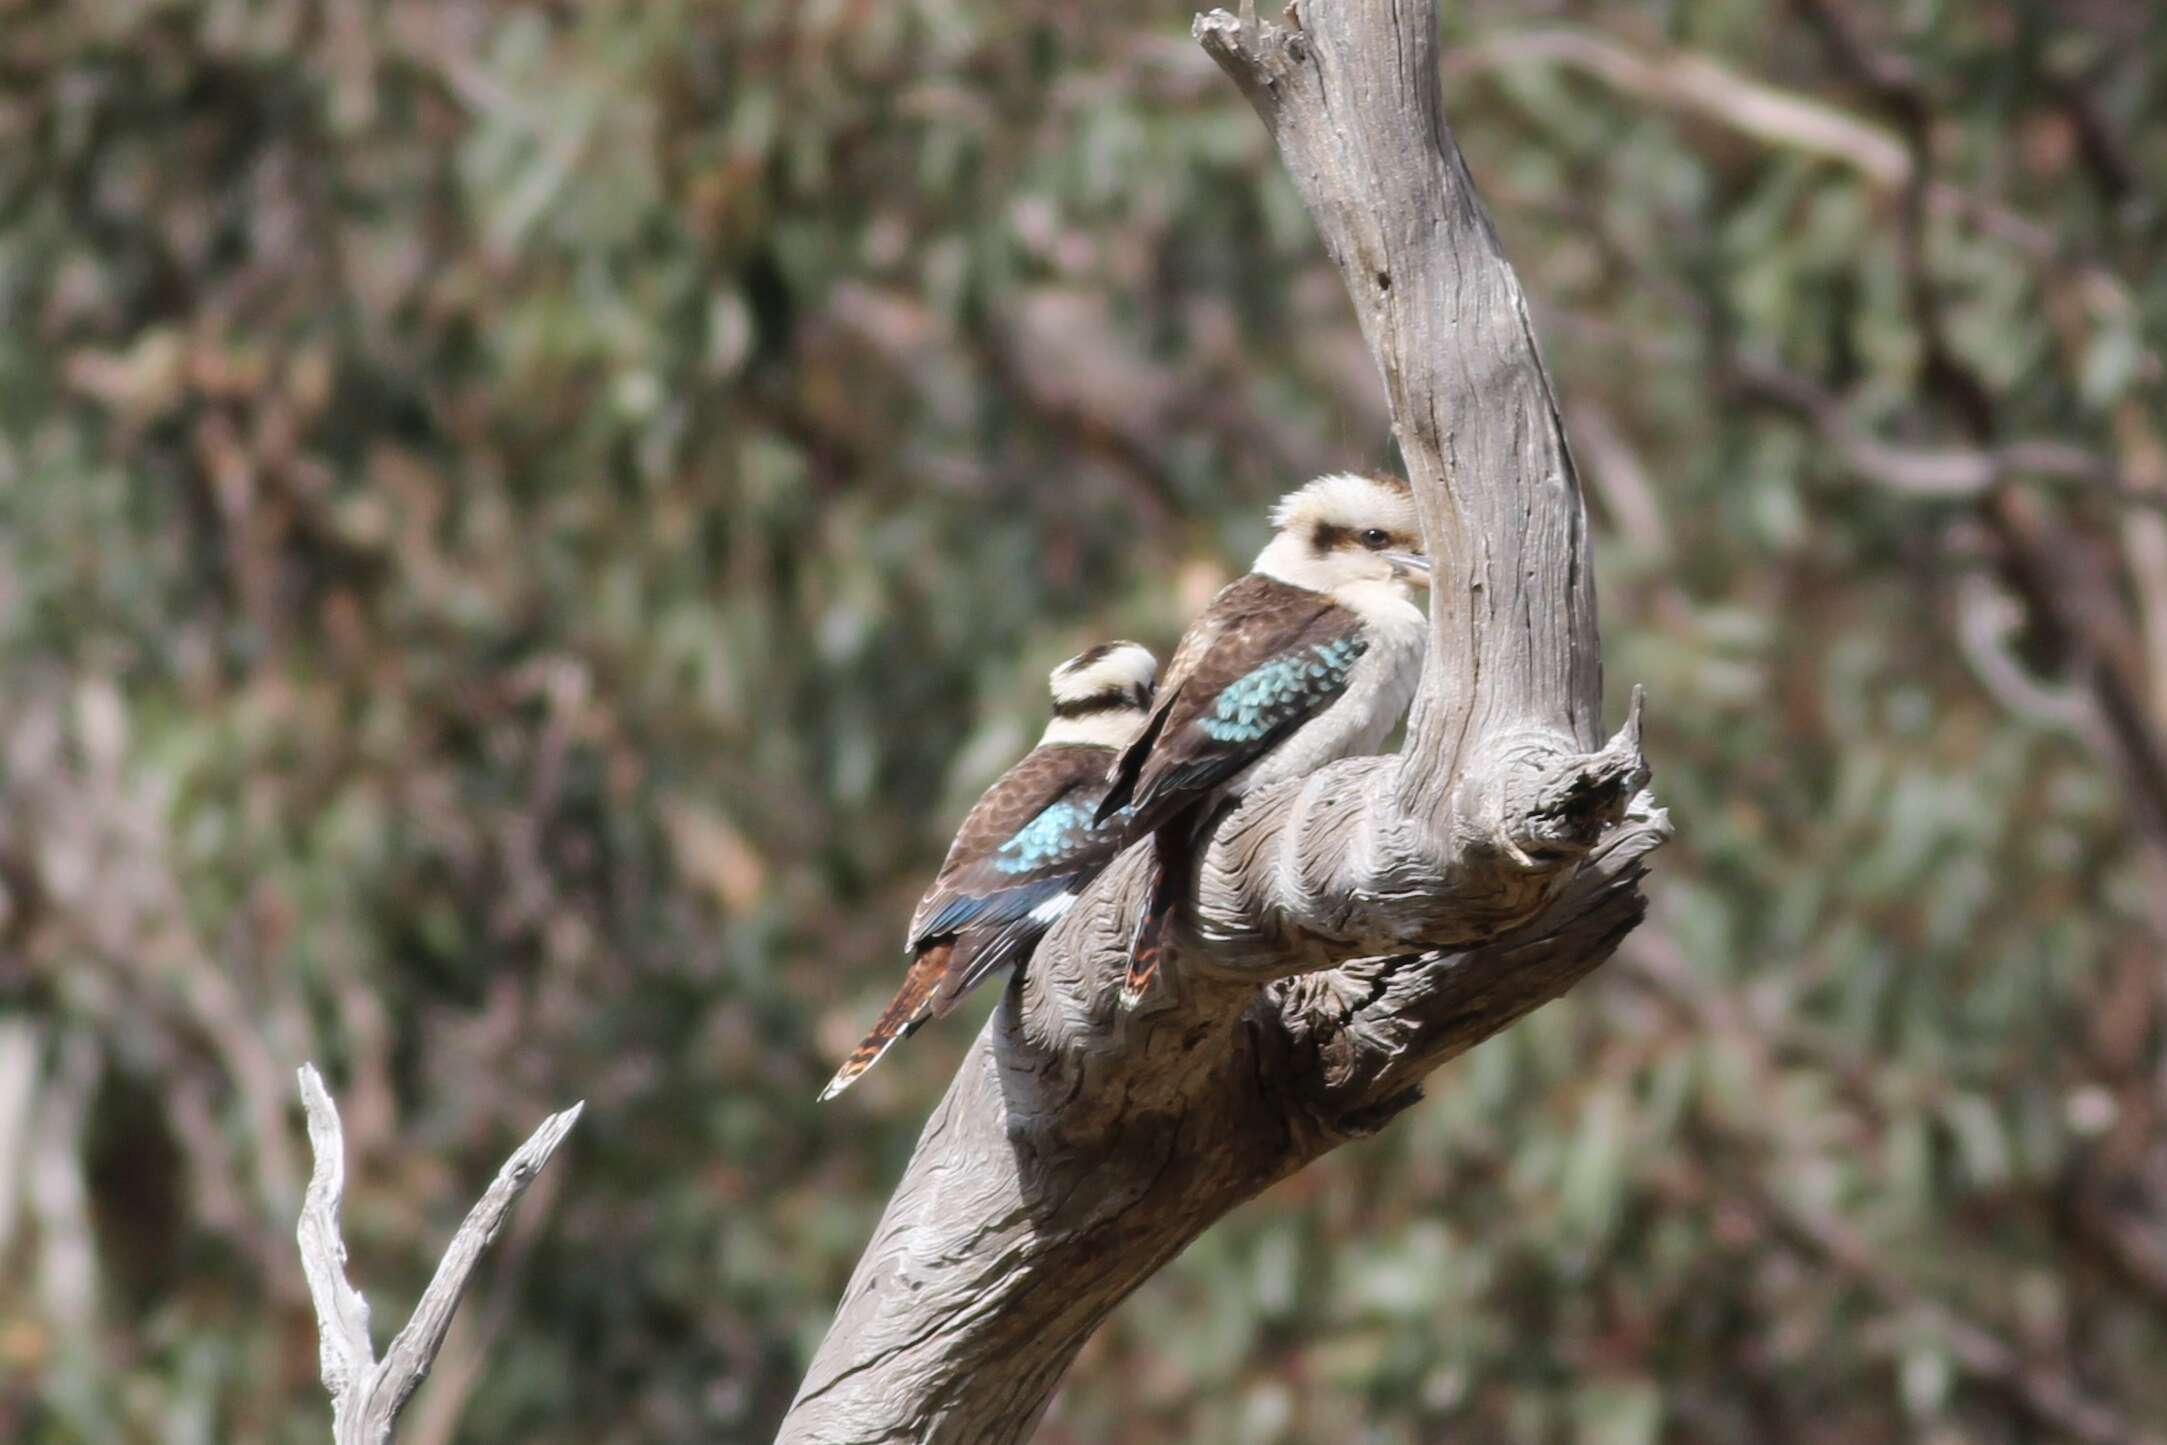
(1264, 657)
(1027, 837)
(1025, 850)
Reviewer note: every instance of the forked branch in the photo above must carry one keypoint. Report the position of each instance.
(1348, 931)
(367, 1394)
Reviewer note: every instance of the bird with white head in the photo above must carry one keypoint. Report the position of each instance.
(1025, 850)
(1311, 657)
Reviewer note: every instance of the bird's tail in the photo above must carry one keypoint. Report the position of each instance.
(1147, 946)
(909, 1008)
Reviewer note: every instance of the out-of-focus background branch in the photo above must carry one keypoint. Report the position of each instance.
(521, 526)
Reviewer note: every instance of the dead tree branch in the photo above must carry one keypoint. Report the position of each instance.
(1349, 931)
(367, 1394)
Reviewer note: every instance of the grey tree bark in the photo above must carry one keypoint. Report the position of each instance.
(1349, 932)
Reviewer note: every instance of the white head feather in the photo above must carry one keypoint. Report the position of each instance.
(1345, 530)
(1104, 693)
(1108, 668)
(1349, 500)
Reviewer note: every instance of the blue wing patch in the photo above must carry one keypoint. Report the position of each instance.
(991, 910)
(1255, 704)
(1047, 839)
(1021, 885)
(1056, 836)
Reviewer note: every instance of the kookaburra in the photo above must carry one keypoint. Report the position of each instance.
(1025, 850)
(1312, 657)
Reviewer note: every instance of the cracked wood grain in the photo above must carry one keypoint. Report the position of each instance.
(1347, 932)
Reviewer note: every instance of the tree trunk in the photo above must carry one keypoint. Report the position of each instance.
(1351, 930)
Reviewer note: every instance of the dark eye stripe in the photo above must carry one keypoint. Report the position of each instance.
(1325, 536)
(1099, 702)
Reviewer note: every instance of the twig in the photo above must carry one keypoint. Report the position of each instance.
(367, 1395)
(1947, 473)
(1699, 86)
(1702, 87)
(1986, 619)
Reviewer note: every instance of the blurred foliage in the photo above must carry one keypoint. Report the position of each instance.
(521, 526)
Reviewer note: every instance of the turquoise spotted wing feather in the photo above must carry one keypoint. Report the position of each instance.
(1060, 833)
(1264, 657)
(1031, 837)
(1263, 699)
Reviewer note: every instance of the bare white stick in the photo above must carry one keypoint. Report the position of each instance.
(367, 1396)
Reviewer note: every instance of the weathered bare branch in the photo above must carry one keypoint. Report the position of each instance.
(342, 1315)
(366, 1394)
(1348, 931)
(1047, 1187)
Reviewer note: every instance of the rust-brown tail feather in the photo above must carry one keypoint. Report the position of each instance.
(1147, 946)
(910, 1006)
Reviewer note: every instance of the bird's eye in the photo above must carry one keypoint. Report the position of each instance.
(1375, 538)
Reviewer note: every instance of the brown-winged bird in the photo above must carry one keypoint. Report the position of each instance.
(1025, 850)
(1311, 657)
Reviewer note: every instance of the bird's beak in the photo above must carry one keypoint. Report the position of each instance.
(1410, 567)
